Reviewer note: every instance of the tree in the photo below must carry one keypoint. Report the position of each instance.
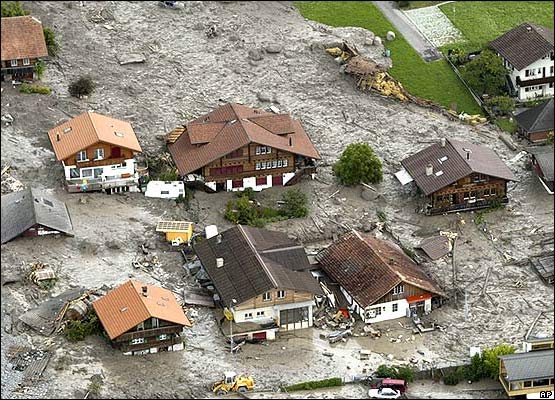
(39, 68)
(357, 164)
(50, 40)
(490, 359)
(486, 74)
(475, 371)
(501, 105)
(295, 204)
(81, 87)
(13, 9)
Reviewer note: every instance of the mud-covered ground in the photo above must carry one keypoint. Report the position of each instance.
(186, 74)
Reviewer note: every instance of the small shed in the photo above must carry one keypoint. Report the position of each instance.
(435, 247)
(176, 231)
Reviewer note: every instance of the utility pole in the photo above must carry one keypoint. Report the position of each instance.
(233, 302)
(465, 304)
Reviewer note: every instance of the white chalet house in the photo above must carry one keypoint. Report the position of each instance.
(378, 280)
(262, 279)
(527, 52)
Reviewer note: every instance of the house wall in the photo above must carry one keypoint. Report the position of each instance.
(150, 336)
(291, 296)
(103, 176)
(476, 191)
(107, 160)
(39, 230)
(273, 313)
(540, 69)
(20, 71)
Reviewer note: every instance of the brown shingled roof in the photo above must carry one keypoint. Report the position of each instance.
(233, 126)
(89, 128)
(368, 268)
(125, 307)
(22, 37)
(454, 165)
(524, 44)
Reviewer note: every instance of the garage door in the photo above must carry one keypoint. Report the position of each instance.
(277, 180)
(294, 318)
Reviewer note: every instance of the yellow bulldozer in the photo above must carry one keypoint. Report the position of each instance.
(233, 383)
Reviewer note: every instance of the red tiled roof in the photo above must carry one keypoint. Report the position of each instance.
(125, 307)
(368, 268)
(22, 37)
(233, 126)
(89, 128)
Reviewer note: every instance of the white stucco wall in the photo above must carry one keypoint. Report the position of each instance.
(387, 312)
(249, 182)
(107, 170)
(537, 68)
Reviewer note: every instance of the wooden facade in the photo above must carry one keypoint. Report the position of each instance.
(113, 155)
(523, 387)
(19, 71)
(152, 333)
(534, 137)
(242, 163)
(471, 192)
(409, 291)
(291, 296)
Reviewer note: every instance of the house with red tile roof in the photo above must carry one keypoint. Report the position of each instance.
(378, 280)
(22, 46)
(140, 318)
(236, 147)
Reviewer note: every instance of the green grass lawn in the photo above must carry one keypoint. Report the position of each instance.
(482, 21)
(506, 125)
(421, 4)
(434, 81)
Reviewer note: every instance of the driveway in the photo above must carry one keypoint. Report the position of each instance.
(426, 50)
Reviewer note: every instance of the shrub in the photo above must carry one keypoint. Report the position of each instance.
(13, 9)
(475, 371)
(385, 371)
(357, 164)
(490, 359)
(39, 68)
(25, 88)
(485, 74)
(295, 204)
(549, 139)
(403, 4)
(311, 385)
(78, 330)
(241, 211)
(83, 86)
(167, 176)
(501, 105)
(248, 192)
(51, 43)
(405, 373)
(458, 56)
(452, 378)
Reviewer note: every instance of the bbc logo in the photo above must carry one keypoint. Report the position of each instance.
(546, 394)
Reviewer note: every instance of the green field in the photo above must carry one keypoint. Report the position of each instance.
(434, 81)
(482, 21)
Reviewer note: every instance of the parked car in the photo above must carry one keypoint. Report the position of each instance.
(397, 384)
(384, 393)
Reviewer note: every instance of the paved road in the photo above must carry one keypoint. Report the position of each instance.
(426, 50)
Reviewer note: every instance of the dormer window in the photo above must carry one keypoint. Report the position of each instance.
(118, 134)
(82, 156)
(13, 63)
(399, 289)
(67, 130)
(26, 61)
(98, 154)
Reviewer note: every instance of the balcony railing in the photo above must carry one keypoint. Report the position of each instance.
(146, 333)
(153, 343)
(468, 206)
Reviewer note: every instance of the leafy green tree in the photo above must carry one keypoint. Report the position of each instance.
(501, 105)
(13, 9)
(357, 164)
(486, 74)
(295, 204)
(490, 359)
(84, 86)
(241, 211)
(550, 137)
(50, 40)
(39, 68)
(475, 371)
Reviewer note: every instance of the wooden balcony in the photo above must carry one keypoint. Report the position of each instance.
(147, 333)
(152, 343)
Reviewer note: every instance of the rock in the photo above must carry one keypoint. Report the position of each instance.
(199, 26)
(212, 31)
(390, 357)
(420, 352)
(390, 35)
(273, 48)
(327, 354)
(265, 97)
(8, 324)
(113, 244)
(160, 137)
(7, 118)
(82, 200)
(377, 41)
(131, 58)
(369, 194)
(255, 55)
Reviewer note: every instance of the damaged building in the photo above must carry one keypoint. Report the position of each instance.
(378, 280)
(262, 280)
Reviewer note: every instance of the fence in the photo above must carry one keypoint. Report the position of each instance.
(474, 95)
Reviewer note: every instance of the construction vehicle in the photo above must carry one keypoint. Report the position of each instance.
(233, 383)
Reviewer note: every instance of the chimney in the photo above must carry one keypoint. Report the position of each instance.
(290, 141)
(442, 142)
(219, 262)
(219, 238)
(145, 289)
(468, 155)
(57, 136)
(429, 169)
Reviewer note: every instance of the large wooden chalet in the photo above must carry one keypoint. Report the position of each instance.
(141, 318)
(236, 147)
(457, 176)
(377, 279)
(23, 46)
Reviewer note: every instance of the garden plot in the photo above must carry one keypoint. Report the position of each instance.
(435, 25)
(261, 55)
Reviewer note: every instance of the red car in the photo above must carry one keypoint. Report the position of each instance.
(397, 384)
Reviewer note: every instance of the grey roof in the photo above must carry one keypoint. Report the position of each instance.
(537, 119)
(457, 165)
(23, 209)
(255, 261)
(544, 157)
(527, 366)
(435, 247)
(524, 44)
(544, 267)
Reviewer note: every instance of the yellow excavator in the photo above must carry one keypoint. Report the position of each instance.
(233, 383)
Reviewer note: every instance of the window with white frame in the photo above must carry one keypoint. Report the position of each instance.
(268, 164)
(138, 340)
(395, 307)
(248, 315)
(26, 61)
(274, 163)
(98, 154)
(87, 172)
(163, 337)
(13, 63)
(262, 165)
(74, 173)
(400, 288)
(285, 163)
(267, 296)
(280, 163)
(257, 166)
(82, 156)
(281, 294)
